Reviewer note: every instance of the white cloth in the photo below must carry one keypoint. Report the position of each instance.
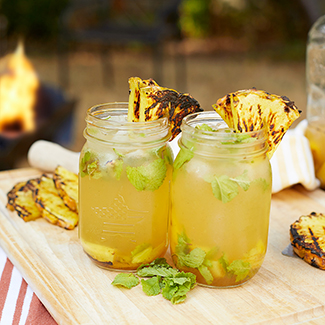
(292, 162)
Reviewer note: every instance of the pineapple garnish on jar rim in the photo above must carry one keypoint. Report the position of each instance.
(148, 101)
(251, 109)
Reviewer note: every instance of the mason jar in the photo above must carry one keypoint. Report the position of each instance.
(124, 185)
(315, 82)
(221, 196)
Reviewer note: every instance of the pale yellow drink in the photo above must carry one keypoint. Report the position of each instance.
(220, 206)
(124, 184)
(315, 133)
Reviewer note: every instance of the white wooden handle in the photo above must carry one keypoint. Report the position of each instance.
(46, 156)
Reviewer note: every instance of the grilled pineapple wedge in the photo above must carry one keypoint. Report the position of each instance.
(52, 206)
(20, 199)
(308, 239)
(135, 84)
(66, 183)
(251, 109)
(148, 101)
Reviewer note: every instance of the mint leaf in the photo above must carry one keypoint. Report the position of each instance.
(127, 280)
(147, 177)
(151, 286)
(224, 189)
(204, 127)
(240, 269)
(241, 138)
(262, 181)
(206, 274)
(184, 155)
(89, 165)
(242, 180)
(194, 259)
(158, 267)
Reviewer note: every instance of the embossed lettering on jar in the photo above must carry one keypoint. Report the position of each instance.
(221, 196)
(124, 186)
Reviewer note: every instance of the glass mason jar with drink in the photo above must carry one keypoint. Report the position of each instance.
(221, 196)
(124, 183)
(315, 75)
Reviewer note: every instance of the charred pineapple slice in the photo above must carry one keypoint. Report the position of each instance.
(66, 183)
(251, 109)
(52, 206)
(135, 84)
(20, 199)
(157, 102)
(307, 237)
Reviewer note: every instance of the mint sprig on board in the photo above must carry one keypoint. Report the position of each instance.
(159, 277)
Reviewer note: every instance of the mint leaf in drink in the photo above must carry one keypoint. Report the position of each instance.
(89, 165)
(224, 189)
(127, 280)
(241, 138)
(242, 180)
(194, 258)
(184, 156)
(206, 274)
(147, 177)
(240, 269)
(204, 127)
(151, 286)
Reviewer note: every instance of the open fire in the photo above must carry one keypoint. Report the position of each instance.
(19, 84)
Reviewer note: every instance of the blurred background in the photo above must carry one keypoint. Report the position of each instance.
(73, 54)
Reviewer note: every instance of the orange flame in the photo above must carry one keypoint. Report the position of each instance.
(18, 87)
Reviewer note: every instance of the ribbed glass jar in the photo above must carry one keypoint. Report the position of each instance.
(315, 81)
(124, 184)
(221, 196)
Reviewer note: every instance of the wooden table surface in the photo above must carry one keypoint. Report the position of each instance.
(286, 290)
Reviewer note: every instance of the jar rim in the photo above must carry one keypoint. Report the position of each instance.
(108, 118)
(223, 137)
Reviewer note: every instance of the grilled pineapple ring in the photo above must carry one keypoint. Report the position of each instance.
(307, 237)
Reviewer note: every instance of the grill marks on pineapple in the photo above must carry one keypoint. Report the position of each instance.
(307, 236)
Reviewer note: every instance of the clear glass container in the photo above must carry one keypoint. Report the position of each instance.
(221, 196)
(124, 186)
(315, 77)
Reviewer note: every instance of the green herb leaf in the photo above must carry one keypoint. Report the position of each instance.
(204, 127)
(151, 286)
(242, 180)
(159, 267)
(147, 177)
(184, 156)
(89, 165)
(206, 274)
(240, 269)
(127, 280)
(194, 259)
(225, 188)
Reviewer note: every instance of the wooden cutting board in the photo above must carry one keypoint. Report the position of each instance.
(286, 290)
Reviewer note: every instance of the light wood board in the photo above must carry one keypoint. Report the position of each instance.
(286, 290)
